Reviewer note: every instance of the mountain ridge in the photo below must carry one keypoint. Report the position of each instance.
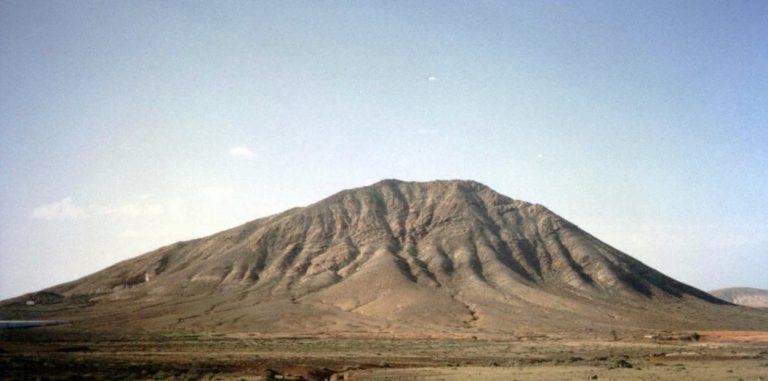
(441, 256)
(746, 296)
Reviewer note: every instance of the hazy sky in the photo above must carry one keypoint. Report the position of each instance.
(127, 125)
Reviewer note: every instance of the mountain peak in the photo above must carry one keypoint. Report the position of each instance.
(433, 187)
(432, 183)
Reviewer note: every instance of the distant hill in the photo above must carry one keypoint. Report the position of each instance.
(393, 258)
(752, 297)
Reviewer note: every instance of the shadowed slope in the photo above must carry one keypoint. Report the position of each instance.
(442, 256)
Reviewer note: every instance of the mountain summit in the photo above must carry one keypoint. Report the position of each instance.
(439, 257)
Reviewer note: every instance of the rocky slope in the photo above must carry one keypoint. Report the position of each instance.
(441, 257)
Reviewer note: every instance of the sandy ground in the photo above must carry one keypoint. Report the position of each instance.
(691, 370)
(49, 353)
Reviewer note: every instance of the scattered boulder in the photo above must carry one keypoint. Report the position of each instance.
(320, 374)
(269, 375)
(674, 336)
(42, 297)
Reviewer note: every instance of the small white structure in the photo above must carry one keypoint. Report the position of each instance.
(30, 302)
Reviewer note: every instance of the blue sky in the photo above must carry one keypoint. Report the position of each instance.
(125, 126)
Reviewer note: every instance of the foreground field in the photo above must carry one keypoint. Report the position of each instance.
(56, 354)
(692, 370)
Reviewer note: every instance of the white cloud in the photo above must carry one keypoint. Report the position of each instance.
(147, 205)
(131, 233)
(217, 193)
(240, 152)
(427, 131)
(155, 219)
(137, 210)
(432, 79)
(63, 209)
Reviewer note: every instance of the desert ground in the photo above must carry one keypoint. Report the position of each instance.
(56, 353)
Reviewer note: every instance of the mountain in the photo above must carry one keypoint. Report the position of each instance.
(395, 258)
(752, 297)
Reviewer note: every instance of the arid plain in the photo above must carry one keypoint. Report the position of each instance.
(58, 354)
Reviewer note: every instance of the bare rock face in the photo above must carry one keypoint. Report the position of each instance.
(745, 296)
(441, 257)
